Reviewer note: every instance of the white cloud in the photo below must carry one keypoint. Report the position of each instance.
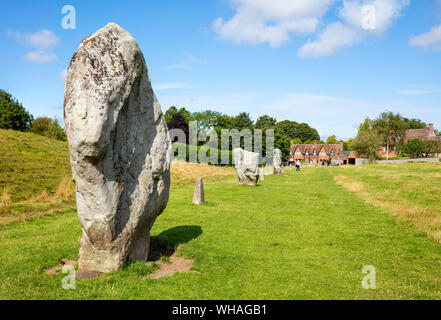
(273, 22)
(353, 28)
(431, 39)
(385, 12)
(43, 43)
(40, 57)
(170, 86)
(333, 38)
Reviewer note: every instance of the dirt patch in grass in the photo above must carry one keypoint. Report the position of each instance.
(172, 265)
(83, 274)
(165, 256)
(64, 262)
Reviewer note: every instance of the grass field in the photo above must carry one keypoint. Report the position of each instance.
(305, 235)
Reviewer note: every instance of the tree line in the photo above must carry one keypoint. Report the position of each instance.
(389, 131)
(206, 121)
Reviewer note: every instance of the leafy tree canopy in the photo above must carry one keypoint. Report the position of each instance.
(265, 122)
(332, 140)
(242, 121)
(206, 120)
(12, 114)
(173, 110)
(178, 121)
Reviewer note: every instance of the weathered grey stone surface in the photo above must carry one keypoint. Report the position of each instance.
(277, 162)
(199, 195)
(247, 166)
(262, 174)
(120, 149)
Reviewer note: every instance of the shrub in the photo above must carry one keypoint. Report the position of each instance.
(48, 127)
(366, 145)
(417, 148)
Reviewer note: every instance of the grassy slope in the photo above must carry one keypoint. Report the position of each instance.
(325, 236)
(34, 176)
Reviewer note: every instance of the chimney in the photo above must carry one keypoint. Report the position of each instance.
(315, 142)
(431, 130)
(341, 146)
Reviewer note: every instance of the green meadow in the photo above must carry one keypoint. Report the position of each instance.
(304, 235)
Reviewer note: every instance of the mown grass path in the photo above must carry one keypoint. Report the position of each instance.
(300, 236)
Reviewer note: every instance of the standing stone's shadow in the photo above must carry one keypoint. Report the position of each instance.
(166, 243)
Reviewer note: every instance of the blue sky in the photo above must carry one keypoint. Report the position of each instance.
(324, 62)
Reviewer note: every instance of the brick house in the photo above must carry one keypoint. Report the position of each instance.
(321, 153)
(427, 134)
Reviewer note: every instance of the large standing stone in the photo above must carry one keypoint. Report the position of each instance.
(120, 149)
(247, 166)
(277, 162)
(199, 195)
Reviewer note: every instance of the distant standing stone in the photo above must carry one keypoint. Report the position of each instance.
(262, 174)
(247, 166)
(277, 162)
(199, 196)
(120, 150)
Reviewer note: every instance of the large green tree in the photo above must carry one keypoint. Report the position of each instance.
(332, 140)
(242, 121)
(173, 110)
(265, 122)
(206, 120)
(391, 130)
(293, 130)
(12, 114)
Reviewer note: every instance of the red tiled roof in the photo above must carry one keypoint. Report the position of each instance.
(318, 147)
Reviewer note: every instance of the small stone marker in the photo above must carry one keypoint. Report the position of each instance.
(277, 162)
(199, 196)
(262, 174)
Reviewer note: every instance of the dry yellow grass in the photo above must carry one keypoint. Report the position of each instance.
(6, 198)
(42, 204)
(65, 189)
(184, 173)
(426, 220)
(63, 200)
